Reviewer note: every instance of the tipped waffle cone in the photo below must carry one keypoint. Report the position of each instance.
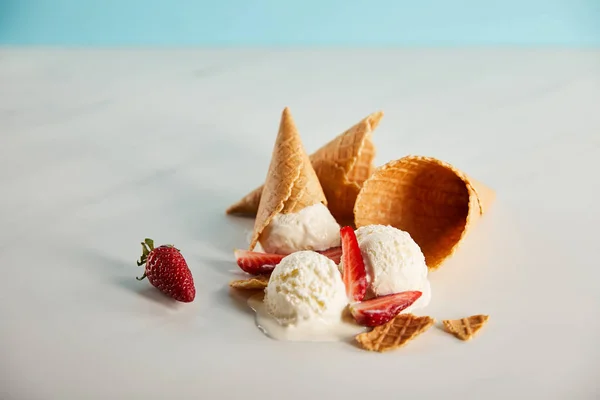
(395, 333)
(254, 283)
(291, 184)
(428, 198)
(465, 328)
(342, 166)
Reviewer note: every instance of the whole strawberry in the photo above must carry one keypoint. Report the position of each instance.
(167, 270)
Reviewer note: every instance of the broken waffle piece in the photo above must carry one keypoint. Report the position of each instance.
(255, 283)
(465, 328)
(396, 333)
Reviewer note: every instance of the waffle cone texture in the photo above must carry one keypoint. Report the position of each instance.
(428, 198)
(465, 328)
(395, 333)
(342, 166)
(291, 184)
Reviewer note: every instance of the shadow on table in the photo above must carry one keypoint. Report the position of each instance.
(146, 290)
(110, 270)
(237, 298)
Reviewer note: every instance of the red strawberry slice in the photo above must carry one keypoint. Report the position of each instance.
(354, 274)
(382, 309)
(257, 263)
(334, 253)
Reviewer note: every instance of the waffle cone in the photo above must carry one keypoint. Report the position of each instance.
(428, 198)
(342, 166)
(291, 183)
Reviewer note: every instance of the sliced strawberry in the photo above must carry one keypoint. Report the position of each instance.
(334, 253)
(354, 273)
(382, 309)
(256, 263)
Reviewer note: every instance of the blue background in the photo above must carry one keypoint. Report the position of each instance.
(309, 22)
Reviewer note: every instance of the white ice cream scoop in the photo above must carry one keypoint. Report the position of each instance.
(305, 286)
(393, 262)
(312, 228)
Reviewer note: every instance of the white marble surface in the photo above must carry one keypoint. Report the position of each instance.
(99, 149)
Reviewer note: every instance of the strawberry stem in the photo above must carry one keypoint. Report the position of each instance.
(150, 243)
(147, 247)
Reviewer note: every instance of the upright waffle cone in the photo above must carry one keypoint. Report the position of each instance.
(342, 166)
(428, 198)
(291, 183)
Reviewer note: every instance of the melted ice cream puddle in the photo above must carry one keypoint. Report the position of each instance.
(313, 331)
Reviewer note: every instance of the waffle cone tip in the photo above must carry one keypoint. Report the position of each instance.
(373, 119)
(342, 165)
